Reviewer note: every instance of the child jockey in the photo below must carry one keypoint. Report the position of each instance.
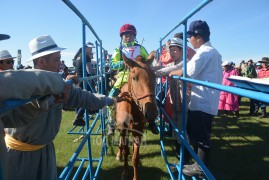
(130, 49)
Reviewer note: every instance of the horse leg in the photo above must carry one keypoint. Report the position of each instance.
(135, 157)
(125, 153)
(119, 153)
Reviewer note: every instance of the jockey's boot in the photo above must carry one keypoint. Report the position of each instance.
(153, 127)
(79, 121)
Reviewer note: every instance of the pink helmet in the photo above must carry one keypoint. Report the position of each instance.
(127, 28)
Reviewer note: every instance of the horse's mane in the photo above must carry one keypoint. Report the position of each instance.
(140, 60)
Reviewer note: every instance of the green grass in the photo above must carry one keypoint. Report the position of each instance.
(240, 149)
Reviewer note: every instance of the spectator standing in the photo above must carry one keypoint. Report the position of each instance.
(251, 73)
(6, 60)
(238, 70)
(258, 66)
(228, 102)
(79, 121)
(263, 73)
(205, 65)
(31, 151)
(176, 53)
(166, 60)
(243, 66)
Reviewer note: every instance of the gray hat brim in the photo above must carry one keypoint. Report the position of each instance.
(53, 50)
(4, 37)
(7, 58)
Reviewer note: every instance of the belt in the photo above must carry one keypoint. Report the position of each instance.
(20, 146)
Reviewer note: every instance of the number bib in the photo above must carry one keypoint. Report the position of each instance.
(131, 52)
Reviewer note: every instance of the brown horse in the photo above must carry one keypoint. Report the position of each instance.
(140, 107)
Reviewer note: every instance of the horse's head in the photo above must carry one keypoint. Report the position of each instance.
(141, 84)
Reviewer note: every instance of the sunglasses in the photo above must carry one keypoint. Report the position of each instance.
(7, 62)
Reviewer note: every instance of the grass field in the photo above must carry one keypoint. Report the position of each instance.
(240, 149)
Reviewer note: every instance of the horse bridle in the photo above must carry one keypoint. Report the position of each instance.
(136, 98)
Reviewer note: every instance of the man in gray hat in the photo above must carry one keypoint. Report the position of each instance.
(6, 60)
(23, 85)
(33, 157)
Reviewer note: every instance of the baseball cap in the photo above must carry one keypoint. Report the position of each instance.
(198, 27)
(89, 44)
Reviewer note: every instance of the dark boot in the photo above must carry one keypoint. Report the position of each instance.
(153, 127)
(263, 113)
(79, 121)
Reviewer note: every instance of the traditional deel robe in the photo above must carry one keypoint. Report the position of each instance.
(23, 84)
(228, 101)
(40, 162)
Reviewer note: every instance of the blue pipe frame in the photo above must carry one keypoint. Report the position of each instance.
(89, 128)
(10, 104)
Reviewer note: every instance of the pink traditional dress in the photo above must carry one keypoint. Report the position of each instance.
(228, 101)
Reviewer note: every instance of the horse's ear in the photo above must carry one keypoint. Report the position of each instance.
(129, 62)
(151, 57)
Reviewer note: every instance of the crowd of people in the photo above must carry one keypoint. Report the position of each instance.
(30, 129)
(229, 103)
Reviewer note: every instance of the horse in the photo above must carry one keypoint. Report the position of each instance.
(138, 108)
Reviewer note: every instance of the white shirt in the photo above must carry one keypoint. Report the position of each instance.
(205, 65)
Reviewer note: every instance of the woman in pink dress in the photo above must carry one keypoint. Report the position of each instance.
(228, 103)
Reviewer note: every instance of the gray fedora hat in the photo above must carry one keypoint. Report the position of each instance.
(4, 55)
(42, 46)
(4, 37)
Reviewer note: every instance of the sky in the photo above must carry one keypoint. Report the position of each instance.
(239, 28)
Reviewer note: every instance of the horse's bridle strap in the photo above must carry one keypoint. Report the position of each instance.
(142, 97)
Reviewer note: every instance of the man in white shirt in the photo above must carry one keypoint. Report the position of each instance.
(204, 66)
